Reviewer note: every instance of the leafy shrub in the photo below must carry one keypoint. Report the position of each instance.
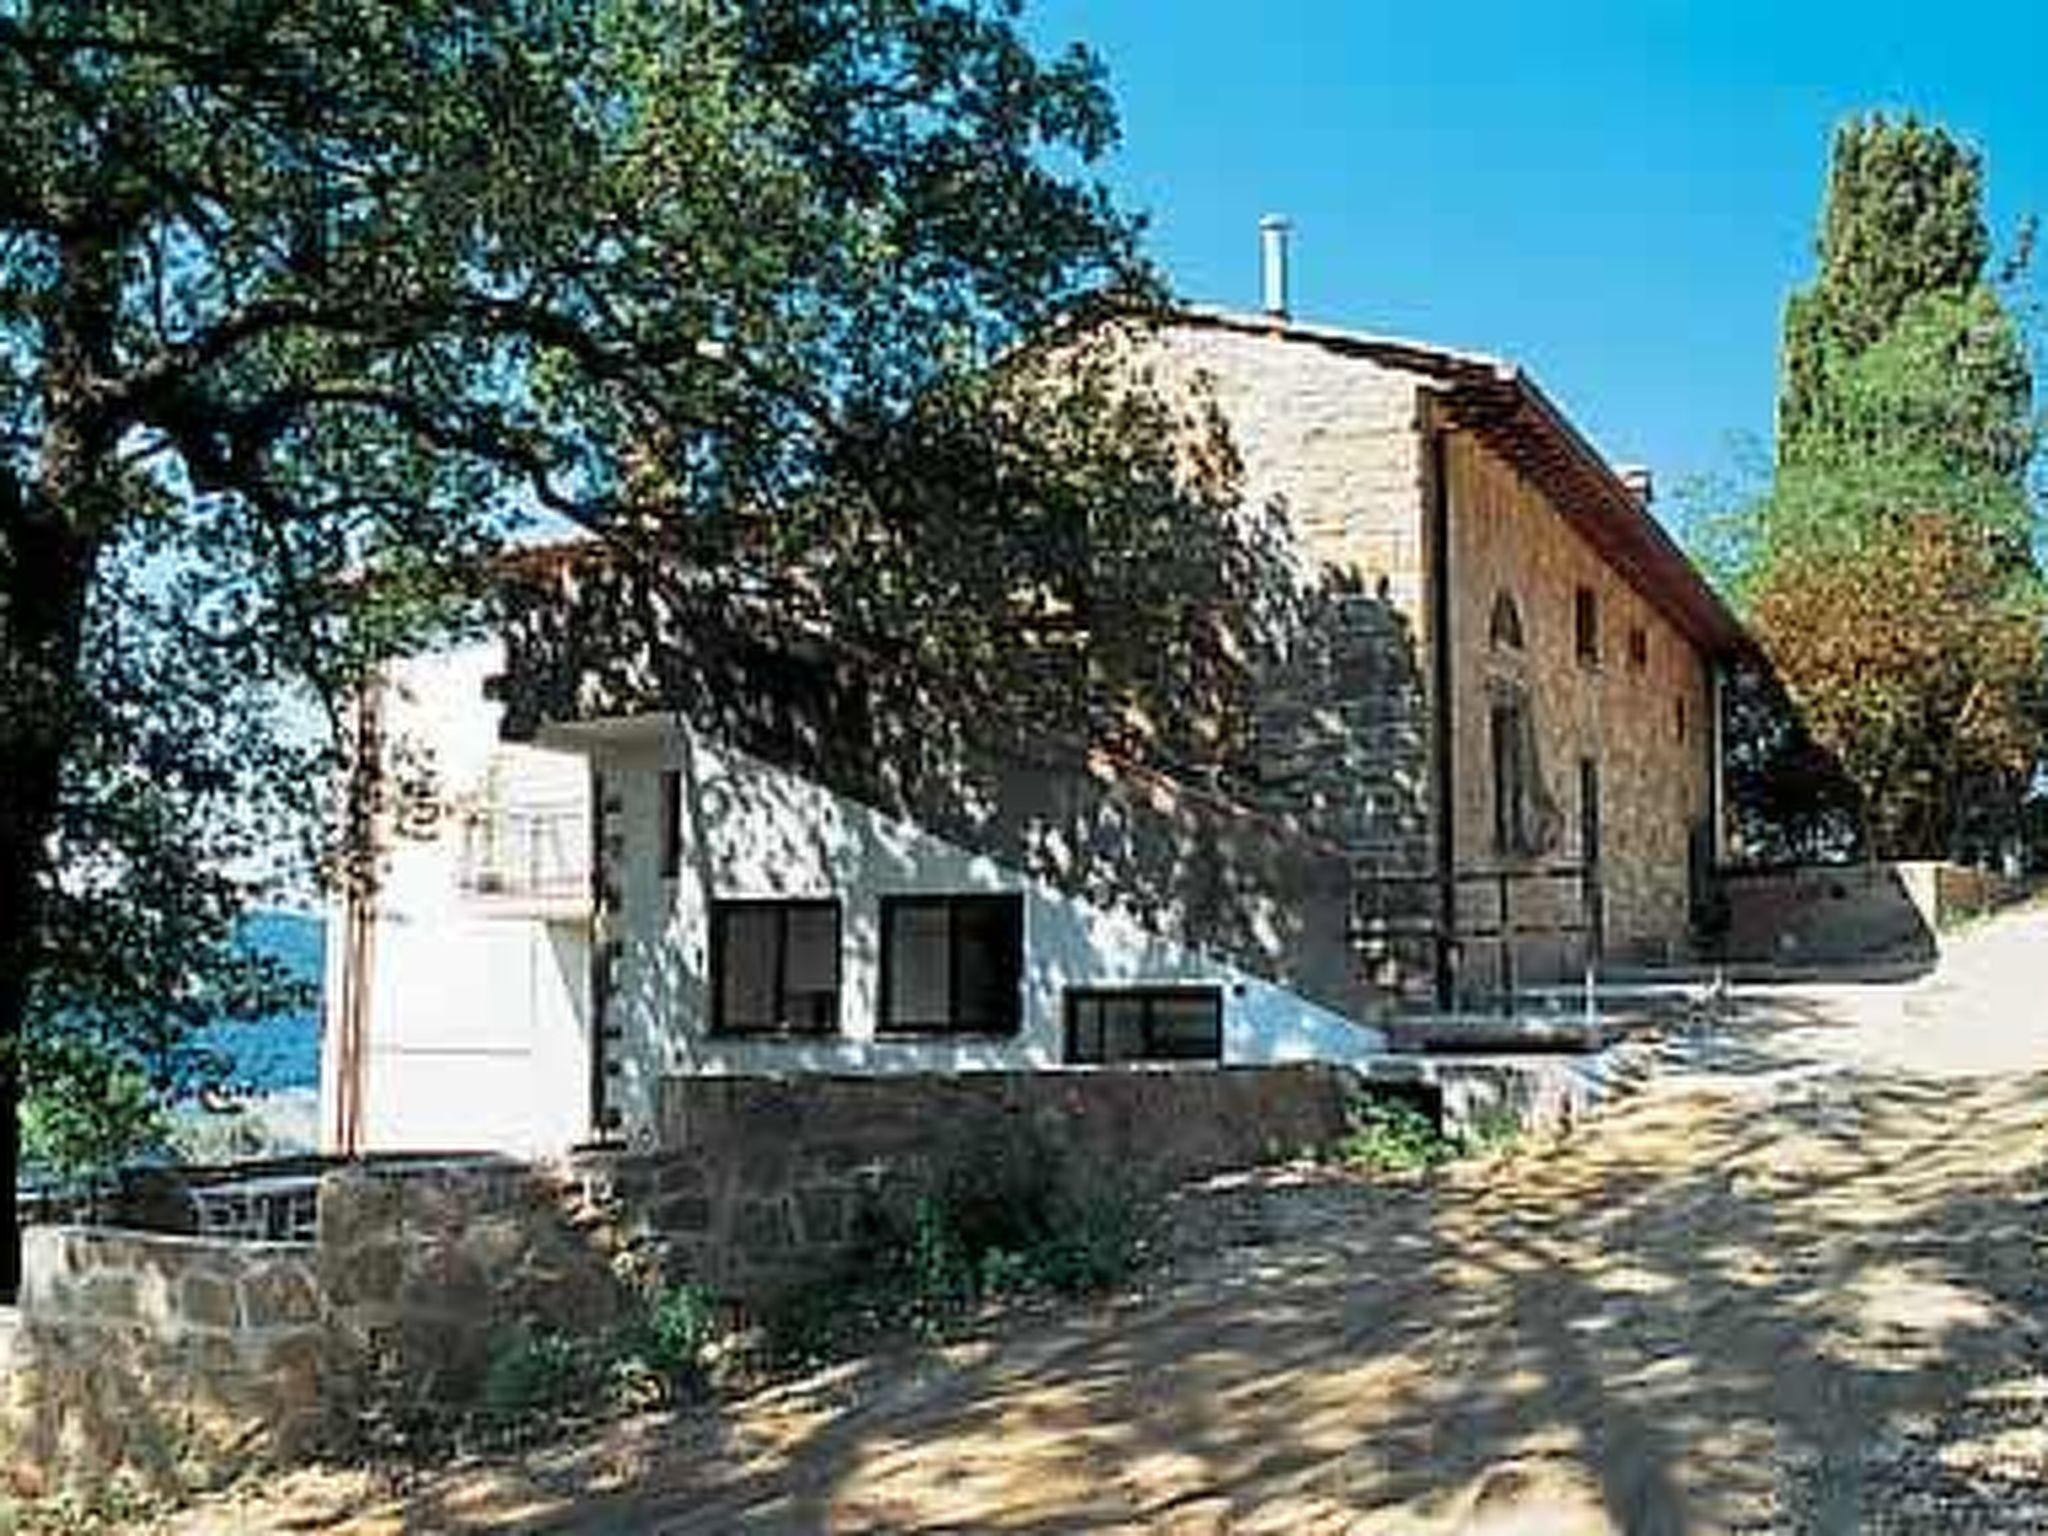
(1392, 1135)
(1007, 1212)
(531, 1373)
(679, 1328)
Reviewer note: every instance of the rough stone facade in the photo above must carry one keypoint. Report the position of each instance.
(1331, 441)
(1641, 715)
(183, 1357)
(1339, 441)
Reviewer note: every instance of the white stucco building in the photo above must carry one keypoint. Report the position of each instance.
(561, 926)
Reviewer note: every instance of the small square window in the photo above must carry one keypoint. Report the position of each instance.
(1586, 626)
(952, 964)
(774, 967)
(1144, 1024)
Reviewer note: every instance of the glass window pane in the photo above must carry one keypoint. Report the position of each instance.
(919, 951)
(810, 967)
(747, 937)
(1084, 1039)
(1123, 1027)
(985, 952)
(1187, 1026)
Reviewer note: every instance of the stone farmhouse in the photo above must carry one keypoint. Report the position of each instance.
(613, 890)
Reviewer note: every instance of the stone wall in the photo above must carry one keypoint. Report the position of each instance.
(183, 1357)
(1643, 719)
(770, 1175)
(1842, 914)
(424, 1267)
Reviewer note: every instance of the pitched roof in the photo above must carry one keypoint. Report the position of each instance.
(1502, 406)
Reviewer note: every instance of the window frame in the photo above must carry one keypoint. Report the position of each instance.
(1586, 626)
(722, 909)
(669, 818)
(892, 905)
(1148, 994)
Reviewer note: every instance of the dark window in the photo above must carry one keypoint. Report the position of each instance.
(1523, 822)
(1504, 631)
(774, 967)
(1586, 625)
(952, 964)
(1638, 648)
(1145, 1024)
(671, 824)
(1680, 713)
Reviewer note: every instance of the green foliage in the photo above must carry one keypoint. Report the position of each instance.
(1007, 1213)
(1888, 571)
(304, 306)
(88, 1111)
(533, 1373)
(1902, 224)
(1392, 1135)
(680, 1326)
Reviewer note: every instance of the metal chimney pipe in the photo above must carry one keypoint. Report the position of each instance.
(1273, 264)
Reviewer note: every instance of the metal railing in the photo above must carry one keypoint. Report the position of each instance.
(532, 850)
(1573, 920)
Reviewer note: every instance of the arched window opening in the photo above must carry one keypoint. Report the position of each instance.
(1505, 629)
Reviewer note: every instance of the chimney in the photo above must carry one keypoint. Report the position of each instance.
(1637, 478)
(1273, 264)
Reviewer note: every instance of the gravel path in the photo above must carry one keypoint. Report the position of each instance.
(1797, 1285)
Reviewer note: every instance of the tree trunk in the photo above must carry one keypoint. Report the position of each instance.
(54, 530)
(48, 577)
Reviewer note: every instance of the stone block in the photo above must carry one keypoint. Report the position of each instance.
(368, 1274)
(112, 1295)
(683, 1214)
(207, 1300)
(279, 1293)
(824, 1215)
(762, 1226)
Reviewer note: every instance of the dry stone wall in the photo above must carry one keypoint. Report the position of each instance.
(181, 1356)
(781, 1170)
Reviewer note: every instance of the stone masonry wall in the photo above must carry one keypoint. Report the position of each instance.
(424, 1267)
(186, 1358)
(780, 1169)
(1645, 724)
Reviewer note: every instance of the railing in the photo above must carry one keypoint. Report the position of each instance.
(1576, 921)
(531, 851)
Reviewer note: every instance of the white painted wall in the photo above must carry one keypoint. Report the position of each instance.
(752, 830)
(478, 1033)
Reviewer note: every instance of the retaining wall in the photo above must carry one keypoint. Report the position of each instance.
(188, 1356)
(764, 1176)
(181, 1356)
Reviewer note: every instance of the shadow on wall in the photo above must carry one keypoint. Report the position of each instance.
(1228, 786)
(1830, 916)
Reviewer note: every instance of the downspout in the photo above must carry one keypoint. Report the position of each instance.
(1441, 717)
(1717, 766)
(359, 919)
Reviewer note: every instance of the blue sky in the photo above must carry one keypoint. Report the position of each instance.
(1617, 197)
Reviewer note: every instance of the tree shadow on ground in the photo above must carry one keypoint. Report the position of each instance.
(1813, 1308)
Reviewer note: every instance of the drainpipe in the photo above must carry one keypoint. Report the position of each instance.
(359, 920)
(1441, 718)
(1717, 767)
